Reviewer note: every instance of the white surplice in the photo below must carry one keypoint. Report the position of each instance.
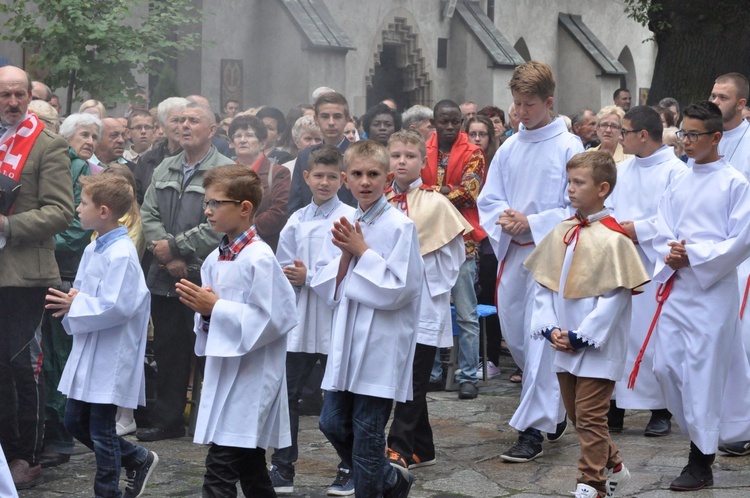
(302, 238)
(528, 175)
(108, 320)
(641, 181)
(244, 397)
(7, 488)
(377, 309)
(699, 359)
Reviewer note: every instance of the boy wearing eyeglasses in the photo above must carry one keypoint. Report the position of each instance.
(703, 233)
(241, 322)
(641, 181)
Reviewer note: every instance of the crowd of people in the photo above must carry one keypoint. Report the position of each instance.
(614, 245)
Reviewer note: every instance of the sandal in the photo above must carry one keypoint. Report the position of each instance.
(517, 376)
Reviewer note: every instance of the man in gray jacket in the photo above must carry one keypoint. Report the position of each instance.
(179, 238)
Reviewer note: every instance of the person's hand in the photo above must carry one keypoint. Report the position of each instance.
(678, 256)
(199, 299)
(629, 227)
(177, 268)
(348, 237)
(296, 274)
(162, 252)
(513, 222)
(59, 300)
(445, 190)
(561, 341)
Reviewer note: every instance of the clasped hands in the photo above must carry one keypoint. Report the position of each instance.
(513, 222)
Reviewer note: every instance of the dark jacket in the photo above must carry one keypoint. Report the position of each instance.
(300, 194)
(147, 163)
(271, 215)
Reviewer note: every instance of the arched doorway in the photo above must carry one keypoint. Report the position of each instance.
(399, 69)
(522, 49)
(629, 80)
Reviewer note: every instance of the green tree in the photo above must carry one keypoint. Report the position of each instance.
(97, 47)
(697, 41)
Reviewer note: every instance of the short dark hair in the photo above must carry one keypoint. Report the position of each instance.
(669, 117)
(249, 122)
(237, 182)
(231, 100)
(141, 113)
(326, 155)
(275, 114)
(603, 167)
(492, 111)
(643, 117)
(708, 112)
(618, 92)
(376, 110)
(445, 104)
(332, 98)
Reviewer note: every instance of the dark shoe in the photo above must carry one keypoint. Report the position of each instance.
(693, 478)
(24, 475)
(416, 462)
(396, 459)
(436, 386)
(159, 434)
(560, 432)
(343, 485)
(523, 451)
(137, 478)
(739, 448)
(283, 485)
(517, 376)
(467, 390)
(615, 418)
(53, 459)
(402, 486)
(659, 425)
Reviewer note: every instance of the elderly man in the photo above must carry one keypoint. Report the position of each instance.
(40, 91)
(468, 109)
(111, 145)
(179, 238)
(418, 118)
(584, 127)
(37, 159)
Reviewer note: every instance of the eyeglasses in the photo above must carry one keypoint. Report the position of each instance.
(479, 134)
(611, 126)
(240, 136)
(142, 128)
(213, 204)
(692, 136)
(624, 132)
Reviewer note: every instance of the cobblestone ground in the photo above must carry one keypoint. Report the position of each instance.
(470, 436)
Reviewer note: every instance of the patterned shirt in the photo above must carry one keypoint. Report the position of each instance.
(229, 252)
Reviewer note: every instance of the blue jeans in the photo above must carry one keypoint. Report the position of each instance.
(465, 302)
(94, 426)
(355, 426)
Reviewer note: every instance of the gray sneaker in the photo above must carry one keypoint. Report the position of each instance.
(739, 448)
(137, 478)
(281, 484)
(343, 485)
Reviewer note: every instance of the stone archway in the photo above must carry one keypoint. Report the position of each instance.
(629, 80)
(399, 69)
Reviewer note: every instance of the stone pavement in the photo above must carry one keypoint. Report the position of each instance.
(470, 436)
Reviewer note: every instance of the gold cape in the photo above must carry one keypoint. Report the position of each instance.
(604, 259)
(437, 220)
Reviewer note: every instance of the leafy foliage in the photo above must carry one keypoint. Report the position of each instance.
(97, 46)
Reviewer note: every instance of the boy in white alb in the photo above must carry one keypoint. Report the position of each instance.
(299, 245)
(585, 270)
(371, 271)
(703, 234)
(523, 198)
(641, 181)
(243, 315)
(440, 229)
(106, 312)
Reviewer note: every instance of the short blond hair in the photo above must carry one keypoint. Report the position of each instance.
(601, 163)
(409, 137)
(111, 190)
(533, 78)
(367, 149)
(610, 109)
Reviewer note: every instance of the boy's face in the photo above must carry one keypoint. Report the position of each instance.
(331, 119)
(226, 217)
(406, 163)
(585, 194)
(367, 180)
(324, 182)
(702, 147)
(532, 110)
(89, 213)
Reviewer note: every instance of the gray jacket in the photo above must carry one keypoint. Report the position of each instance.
(175, 213)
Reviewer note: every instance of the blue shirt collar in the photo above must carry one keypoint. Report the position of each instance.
(109, 238)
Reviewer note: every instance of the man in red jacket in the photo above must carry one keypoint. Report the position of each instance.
(457, 169)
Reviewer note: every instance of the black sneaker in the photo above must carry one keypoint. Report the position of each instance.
(402, 486)
(659, 425)
(739, 448)
(554, 437)
(693, 478)
(343, 485)
(137, 478)
(467, 390)
(523, 451)
(282, 484)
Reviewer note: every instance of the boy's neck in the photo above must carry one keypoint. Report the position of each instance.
(107, 226)
(334, 141)
(711, 157)
(239, 229)
(591, 210)
(404, 187)
(319, 202)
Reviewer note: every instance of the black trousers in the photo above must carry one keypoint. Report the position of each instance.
(225, 465)
(21, 377)
(410, 430)
(174, 346)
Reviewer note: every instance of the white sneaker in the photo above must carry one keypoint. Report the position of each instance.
(123, 430)
(492, 370)
(617, 480)
(585, 491)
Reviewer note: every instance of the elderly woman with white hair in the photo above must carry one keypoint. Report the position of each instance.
(82, 131)
(608, 127)
(305, 133)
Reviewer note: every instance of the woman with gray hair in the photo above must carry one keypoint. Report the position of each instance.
(305, 133)
(608, 127)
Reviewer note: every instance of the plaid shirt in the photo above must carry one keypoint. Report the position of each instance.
(229, 252)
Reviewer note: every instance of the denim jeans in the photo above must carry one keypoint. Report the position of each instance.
(355, 426)
(94, 425)
(465, 302)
